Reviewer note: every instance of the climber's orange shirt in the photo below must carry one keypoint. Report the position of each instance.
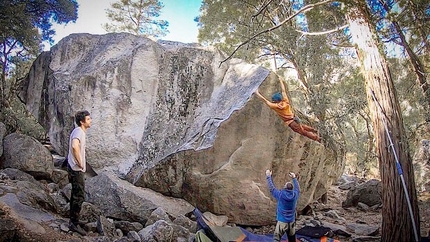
(283, 109)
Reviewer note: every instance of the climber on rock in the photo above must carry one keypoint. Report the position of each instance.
(281, 105)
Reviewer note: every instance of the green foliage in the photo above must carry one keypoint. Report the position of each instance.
(413, 103)
(411, 18)
(136, 17)
(24, 24)
(226, 24)
(328, 86)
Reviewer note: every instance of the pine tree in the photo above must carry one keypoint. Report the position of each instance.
(24, 25)
(136, 17)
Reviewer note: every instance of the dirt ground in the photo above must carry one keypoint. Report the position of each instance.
(424, 205)
(336, 196)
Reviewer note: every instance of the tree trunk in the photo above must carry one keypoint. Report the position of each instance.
(3, 81)
(396, 219)
(3, 88)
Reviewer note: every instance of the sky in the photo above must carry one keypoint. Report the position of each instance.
(92, 14)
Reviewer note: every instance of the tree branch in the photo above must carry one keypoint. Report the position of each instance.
(344, 45)
(302, 10)
(261, 9)
(324, 32)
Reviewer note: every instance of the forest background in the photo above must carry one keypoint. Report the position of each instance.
(355, 68)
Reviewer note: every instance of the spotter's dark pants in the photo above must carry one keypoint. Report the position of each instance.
(285, 228)
(78, 193)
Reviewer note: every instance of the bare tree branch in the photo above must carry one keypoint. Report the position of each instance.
(267, 54)
(344, 45)
(261, 9)
(302, 10)
(324, 32)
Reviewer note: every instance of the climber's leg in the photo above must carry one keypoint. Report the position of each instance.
(298, 128)
(309, 128)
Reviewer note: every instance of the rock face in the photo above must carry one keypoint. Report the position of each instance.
(27, 154)
(169, 118)
(119, 199)
(229, 177)
(26, 199)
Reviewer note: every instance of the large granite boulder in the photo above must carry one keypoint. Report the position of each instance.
(229, 177)
(369, 193)
(121, 200)
(25, 153)
(27, 201)
(169, 117)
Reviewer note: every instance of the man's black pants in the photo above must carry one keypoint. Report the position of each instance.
(78, 193)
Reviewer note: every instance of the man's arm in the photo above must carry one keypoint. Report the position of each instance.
(295, 183)
(275, 192)
(284, 92)
(76, 149)
(267, 102)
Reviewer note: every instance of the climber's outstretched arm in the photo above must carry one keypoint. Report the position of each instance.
(268, 103)
(284, 92)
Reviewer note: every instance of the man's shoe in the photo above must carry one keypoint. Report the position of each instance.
(82, 222)
(77, 228)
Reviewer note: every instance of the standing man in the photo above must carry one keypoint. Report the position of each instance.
(286, 207)
(281, 105)
(76, 167)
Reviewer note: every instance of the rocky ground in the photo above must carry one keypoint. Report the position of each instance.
(424, 204)
(334, 203)
(375, 218)
(336, 196)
